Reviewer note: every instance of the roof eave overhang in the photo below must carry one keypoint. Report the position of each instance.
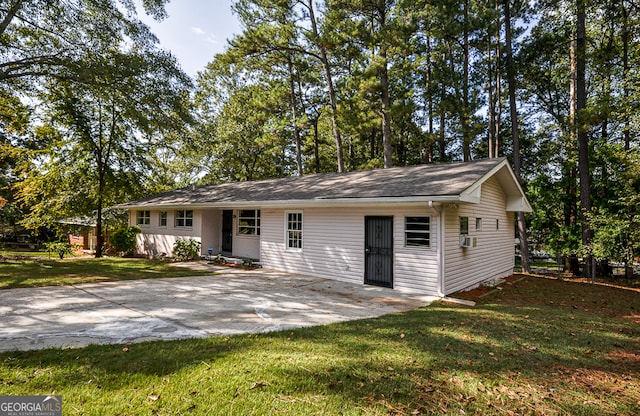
(304, 203)
(515, 204)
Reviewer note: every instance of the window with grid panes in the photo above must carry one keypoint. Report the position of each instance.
(294, 230)
(184, 219)
(249, 222)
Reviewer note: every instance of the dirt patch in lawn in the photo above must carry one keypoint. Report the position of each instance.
(485, 290)
(604, 300)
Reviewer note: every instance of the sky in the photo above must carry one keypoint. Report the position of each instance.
(195, 31)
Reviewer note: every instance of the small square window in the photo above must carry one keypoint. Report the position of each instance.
(417, 232)
(464, 225)
(478, 224)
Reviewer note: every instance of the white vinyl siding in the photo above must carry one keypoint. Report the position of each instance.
(211, 220)
(334, 246)
(492, 255)
(155, 239)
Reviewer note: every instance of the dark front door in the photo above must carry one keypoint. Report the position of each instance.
(227, 231)
(378, 241)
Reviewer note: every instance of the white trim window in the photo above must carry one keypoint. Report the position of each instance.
(293, 234)
(249, 222)
(162, 222)
(417, 232)
(143, 218)
(184, 219)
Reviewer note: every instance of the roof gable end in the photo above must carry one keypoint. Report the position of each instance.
(516, 199)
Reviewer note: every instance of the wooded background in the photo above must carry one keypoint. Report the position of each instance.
(94, 113)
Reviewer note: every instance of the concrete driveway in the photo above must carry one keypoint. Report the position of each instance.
(230, 302)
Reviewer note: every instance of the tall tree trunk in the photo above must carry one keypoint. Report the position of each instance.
(385, 99)
(498, 115)
(572, 91)
(294, 116)
(490, 100)
(99, 207)
(628, 267)
(493, 90)
(498, 91)
(373, 151)
(326, 66)
(570, 171)
(625, 73)
(511, 81)
(464, 111)
(316, 145)
(583, 140)
(442, 143)
(386, 110)
(429, 156)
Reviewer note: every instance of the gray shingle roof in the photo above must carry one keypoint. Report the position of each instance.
(440, 180)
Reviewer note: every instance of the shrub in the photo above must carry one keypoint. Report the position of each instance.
(186, 249)
(123, 240)
(60, 247)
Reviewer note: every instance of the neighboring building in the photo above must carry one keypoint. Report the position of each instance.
(431, 229)
(81, 232)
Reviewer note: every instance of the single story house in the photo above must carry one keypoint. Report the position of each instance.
(429, 229)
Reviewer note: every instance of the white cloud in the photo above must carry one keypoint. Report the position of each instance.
(208, 37)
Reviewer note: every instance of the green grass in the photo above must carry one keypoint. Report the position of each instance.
(538, 347)
(43, 271)
(31, 254)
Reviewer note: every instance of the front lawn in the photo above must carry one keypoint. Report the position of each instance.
(537, 347)
(51, 271)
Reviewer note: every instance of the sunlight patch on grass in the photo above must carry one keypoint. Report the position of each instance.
(41, 272)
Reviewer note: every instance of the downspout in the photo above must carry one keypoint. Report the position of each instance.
(440, 247)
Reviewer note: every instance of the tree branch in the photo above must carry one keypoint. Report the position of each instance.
(11, 12)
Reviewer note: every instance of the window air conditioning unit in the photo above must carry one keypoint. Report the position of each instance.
(466, 241)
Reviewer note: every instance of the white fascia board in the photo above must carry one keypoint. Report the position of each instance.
(515, 204)
(291, 203)
(472, 194)
(355, 202)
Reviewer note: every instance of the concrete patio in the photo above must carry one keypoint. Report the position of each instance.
(230, 301)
